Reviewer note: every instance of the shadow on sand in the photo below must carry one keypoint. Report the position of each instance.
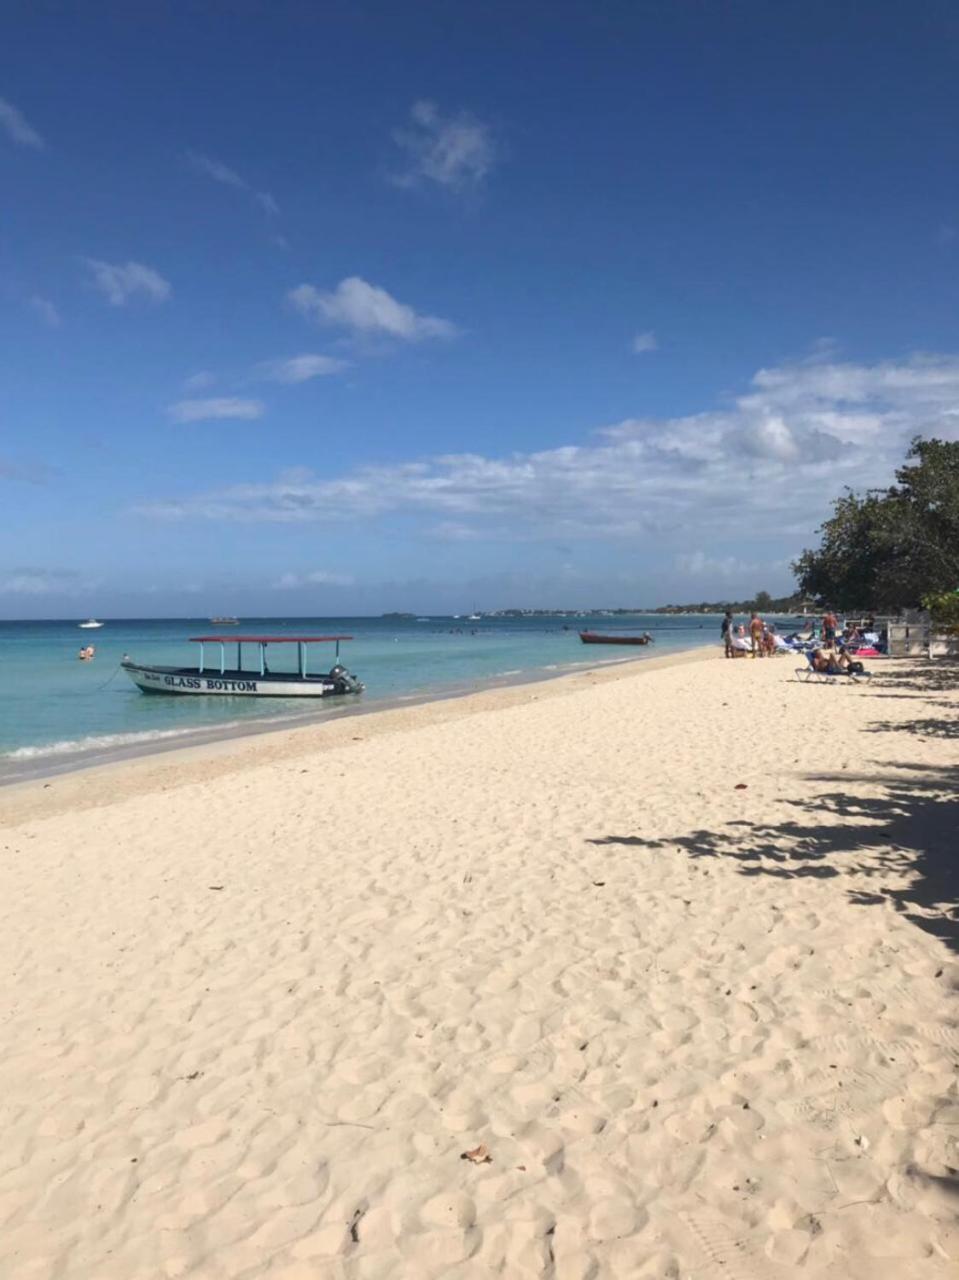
(922, 683)
(909, 831)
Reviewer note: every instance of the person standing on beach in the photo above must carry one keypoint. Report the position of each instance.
(726, 633)
(830, 624)
(756, 634)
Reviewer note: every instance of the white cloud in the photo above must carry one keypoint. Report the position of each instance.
(216, 170)
(120, 281)
(44, 309)
(644, 342)
(766, 466)
(455, 151)
(315, 578)
(17, 127)
(366, 308)
(199, 381)
(214, 407)
(222, 173)
(267, 203)
(302, 368)
(456, 531)
(697, 564)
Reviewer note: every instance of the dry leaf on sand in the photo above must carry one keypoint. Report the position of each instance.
(479, 1155)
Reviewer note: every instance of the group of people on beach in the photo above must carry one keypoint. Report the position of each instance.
(759, 643)
(834, 655)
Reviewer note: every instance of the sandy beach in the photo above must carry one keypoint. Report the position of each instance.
(669, 947)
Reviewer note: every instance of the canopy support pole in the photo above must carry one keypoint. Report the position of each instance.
(201, 658)
(222, 658)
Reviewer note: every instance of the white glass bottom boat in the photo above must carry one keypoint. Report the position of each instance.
(221, 679)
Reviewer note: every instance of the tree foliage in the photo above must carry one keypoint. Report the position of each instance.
(887, 549)
(944, 608)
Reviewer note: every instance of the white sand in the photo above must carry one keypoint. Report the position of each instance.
(258, 998)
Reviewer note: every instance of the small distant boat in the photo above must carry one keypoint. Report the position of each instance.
(258, 682)
(225, 622)
(474, 617)
(609, 637)
(91, 624)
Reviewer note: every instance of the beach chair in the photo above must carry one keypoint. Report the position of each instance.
(809, 673)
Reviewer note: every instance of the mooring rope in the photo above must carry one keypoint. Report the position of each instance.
(100, 688)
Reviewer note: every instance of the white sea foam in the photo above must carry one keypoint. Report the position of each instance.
(104, 742)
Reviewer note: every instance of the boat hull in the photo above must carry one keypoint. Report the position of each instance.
(190, 681)
(599, 637)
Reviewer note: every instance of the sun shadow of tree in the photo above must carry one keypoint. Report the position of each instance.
(906, 835)
(929, 678)
(926, 728)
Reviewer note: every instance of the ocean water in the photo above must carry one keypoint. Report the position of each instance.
(57, 712)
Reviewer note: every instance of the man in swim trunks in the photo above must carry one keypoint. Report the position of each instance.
(756, 634)
(830, 624)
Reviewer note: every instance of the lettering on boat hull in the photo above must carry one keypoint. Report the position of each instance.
(227, 685)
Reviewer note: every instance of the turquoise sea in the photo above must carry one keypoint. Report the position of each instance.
(57, 712)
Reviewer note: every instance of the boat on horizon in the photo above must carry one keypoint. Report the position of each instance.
(236, 681)
(91, 624)
(610, 637)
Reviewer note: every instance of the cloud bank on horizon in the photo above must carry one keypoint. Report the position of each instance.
(763, 467)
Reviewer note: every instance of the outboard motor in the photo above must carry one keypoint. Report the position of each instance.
(345, 681)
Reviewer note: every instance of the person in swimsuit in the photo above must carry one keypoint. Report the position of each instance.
(826, 663)
(726, 633)
(830, 624)
(756, 634)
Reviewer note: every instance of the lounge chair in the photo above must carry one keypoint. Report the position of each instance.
(809, 672)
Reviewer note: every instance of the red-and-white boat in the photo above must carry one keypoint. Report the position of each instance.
(610, 637)
(257, 682)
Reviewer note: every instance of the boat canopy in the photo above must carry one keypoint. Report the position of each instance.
(234, 639)
(300, 641)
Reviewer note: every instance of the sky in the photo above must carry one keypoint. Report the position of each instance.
(330, 308)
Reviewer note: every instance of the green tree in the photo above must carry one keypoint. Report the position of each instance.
(889, 548)
(763, 601)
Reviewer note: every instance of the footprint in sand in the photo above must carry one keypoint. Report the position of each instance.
(728, 1255)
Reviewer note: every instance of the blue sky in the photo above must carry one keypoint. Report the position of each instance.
(314, 309)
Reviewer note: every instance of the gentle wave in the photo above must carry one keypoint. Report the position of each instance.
(104, 741)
